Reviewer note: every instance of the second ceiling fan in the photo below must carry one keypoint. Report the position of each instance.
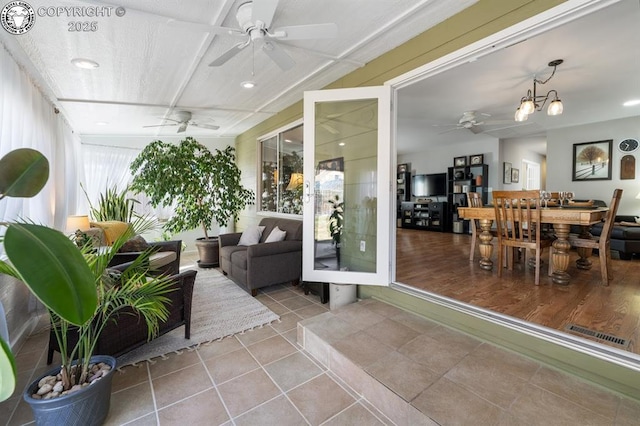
(254, 19)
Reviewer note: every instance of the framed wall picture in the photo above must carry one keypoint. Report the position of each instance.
(515, 175)
(592, 160)
(336, 164)
(460, 161)
(476, 159)
(506, 172)
(403, 168)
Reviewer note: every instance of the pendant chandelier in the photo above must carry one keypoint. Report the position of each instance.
(533, 102)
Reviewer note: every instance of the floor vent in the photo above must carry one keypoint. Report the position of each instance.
(610, 338)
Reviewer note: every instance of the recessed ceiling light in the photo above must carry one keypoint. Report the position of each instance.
(632, 102)
(84, 63)
(288, 140)
(248, 84)
(101, 123)
(341, 144)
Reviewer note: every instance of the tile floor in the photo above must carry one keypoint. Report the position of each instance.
(263, 377)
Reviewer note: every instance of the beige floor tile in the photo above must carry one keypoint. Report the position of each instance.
(354, 415)
(510, 362)
(7, 407)
(296, 302)
(454, 338)
(35, 342)
(172, 362)
(256, 335)
(219, 347)
(130, 376)
(578, 391)
(21, 415)
(271, 349)
(450, 404)
(282, 294)
(287, 322)
(402, 375)
(129, 404)
(320, 399)
(381, 308)
(415, 322)
(437, 356)
(247, 391)
(278, 411)
(358, 315)
(26, 361)
(230, 365)
(202, 409)
(628, 412)
(23, 380)
(485, 377)
(292, 371)
(278, 308)
(362, 349)
(392, 333)
(292, 337)
(329, 327)
(312, 310)
(541, 407)
(148, 420)
(181, 384)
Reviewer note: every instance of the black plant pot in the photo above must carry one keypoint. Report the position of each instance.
(209, 252)
(86, 407)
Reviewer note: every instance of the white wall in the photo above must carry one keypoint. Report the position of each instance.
(438, 159)
(560, 154)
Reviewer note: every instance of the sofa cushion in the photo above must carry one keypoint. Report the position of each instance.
(292, 227)
(276, 235)
(251, 236)
(161, 258)
(113, 230)
(136, 243)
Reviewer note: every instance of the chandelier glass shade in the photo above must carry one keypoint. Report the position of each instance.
(533, 102)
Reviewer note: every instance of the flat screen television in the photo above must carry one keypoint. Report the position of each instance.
(430, 185)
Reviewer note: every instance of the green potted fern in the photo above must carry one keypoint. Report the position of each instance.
(202, 187)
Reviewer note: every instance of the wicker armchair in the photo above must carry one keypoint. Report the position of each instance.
(129, 330)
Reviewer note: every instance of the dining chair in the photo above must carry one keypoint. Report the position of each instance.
(603, 242)
(518, 225)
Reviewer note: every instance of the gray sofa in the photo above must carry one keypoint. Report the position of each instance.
(263, 264)
(624, 239)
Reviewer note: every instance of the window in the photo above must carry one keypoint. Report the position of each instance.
(281, 183)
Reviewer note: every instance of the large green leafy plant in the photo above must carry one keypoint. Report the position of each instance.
(44, 259)
(202, 186)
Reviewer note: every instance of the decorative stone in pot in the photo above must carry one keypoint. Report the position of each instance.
(87, 406)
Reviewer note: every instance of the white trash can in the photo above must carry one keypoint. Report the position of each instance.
(341, 295)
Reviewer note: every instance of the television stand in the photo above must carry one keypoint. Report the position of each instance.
(428, 216)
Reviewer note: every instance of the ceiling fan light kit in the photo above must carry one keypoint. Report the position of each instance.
(533, 102)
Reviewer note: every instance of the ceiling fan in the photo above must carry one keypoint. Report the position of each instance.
(470, 121)
(183, 120)
(254, 19)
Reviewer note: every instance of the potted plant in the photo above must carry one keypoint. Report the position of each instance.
(81, 296)
(201, 186)
(336, 224)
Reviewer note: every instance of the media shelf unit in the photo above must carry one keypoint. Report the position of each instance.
(430, 216)
(460, 181)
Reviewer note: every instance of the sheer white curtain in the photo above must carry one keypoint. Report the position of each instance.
(106, 167)
(28, 120)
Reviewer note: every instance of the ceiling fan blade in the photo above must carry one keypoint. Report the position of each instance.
(278, 55)
(229, 54)
(206, 126)
(161, 125)
(263, 11)
(306, 32)
(195, 26)
(182, 128)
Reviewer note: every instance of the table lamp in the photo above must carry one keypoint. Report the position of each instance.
(77, 223)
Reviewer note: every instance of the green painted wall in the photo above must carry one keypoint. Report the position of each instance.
(475, 23)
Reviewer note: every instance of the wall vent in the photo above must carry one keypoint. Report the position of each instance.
(610, 338)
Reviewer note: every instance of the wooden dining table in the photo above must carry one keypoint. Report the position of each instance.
(561, 218)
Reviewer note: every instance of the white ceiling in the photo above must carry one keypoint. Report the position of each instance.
(152, 64)
(601, 70)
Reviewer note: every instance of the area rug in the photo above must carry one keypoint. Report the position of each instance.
(220, 309)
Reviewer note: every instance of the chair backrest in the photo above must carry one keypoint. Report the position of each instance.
(605, 235)
(518, 217)
(475, 199)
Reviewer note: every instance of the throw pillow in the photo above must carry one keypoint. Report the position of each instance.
(276, 235)
(637, 219)
(251, 236)
(136, 243)
(113, 229)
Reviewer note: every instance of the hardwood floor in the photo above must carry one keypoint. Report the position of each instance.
(439, 263)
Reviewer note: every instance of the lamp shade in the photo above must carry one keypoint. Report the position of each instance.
(555, 107)
(77, 222)
(527, 107)
(520, 115)
(295, 182)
